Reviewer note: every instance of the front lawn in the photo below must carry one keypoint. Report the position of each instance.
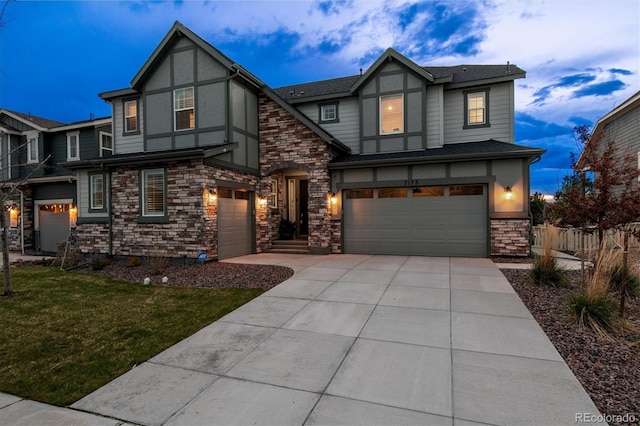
(66, 334)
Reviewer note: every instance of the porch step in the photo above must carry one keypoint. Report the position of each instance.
(290, 246)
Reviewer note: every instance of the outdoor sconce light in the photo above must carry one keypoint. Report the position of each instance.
(333, 198)
(213, 196)
(508, 193)
(73, 216)
(262, 201)
(13, 216)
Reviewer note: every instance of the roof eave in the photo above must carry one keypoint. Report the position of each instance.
(24, 120)
(107, 96)
(318, 98)
(482, 82)
(529, 154)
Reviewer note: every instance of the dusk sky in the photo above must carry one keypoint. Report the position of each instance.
(582, 57)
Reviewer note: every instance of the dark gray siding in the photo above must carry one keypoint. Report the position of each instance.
(390, 80)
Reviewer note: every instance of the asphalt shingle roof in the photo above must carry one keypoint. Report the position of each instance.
(481, 148)
(42, 122)
(458, 74)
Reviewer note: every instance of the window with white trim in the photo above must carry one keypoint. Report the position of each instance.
(391, 114)
(476, 107)
(131, 116)
(153, 193)
(73, 146)
(97, 191)
(32, 150)
(274, 194)
(184, 109)
(106, 144)
(328, 113)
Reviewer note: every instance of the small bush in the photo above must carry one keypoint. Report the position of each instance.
(596, 311)
(158, 265)
(618, 275)
(545, 270)
(133, 261)
(98, 263)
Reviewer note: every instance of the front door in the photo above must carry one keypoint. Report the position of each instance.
(298, 204)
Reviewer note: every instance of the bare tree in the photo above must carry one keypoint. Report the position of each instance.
(3, 10)
(7, 190)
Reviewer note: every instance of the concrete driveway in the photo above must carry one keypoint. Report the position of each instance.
(357, 339)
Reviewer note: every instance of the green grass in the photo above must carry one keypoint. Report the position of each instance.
(66, 334)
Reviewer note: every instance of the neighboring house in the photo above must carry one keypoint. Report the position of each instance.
(32, 149)
(401, 159)
(621, 126)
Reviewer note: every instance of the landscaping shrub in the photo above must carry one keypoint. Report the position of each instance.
(133, 261)
(545, 268)
(158, 264)
(618, 275)
(98, 263)
(594, 306)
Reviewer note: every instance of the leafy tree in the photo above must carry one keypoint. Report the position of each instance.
(611, 201)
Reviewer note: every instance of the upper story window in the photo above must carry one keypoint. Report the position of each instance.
(106, 144)
(131, 116)
(153, 193)
(391, 114)
(476, 106)
(184, 110)
(32, 150)
(328, 113)
(73, 146)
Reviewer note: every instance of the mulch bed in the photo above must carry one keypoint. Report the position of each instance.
(608, 368)
(208, 275)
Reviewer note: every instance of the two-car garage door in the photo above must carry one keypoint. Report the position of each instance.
(428, 221)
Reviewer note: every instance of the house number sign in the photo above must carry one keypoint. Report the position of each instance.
(411, 182)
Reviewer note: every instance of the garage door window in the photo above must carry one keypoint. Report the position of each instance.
(392, 193)
(242, 195)
(466, 190)
(354, 194)
(428, 191)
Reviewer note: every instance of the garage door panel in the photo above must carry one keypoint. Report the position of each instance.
(234, 227)
(439, 225)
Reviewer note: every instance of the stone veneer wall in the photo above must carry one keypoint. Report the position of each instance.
(286, 143)
(510, 237)
(192, 219)
(27, 216)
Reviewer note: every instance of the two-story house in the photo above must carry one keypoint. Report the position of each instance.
(42, 208)
(401, 159)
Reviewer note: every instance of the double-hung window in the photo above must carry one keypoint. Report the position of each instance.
(153, 193)
(391, 114)
(476, 106)
(184, 109)
(106, 144)
(32, 150)
(97, 192)
(131, 116)
(73, 146)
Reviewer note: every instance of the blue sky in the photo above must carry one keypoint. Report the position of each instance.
(582, 57)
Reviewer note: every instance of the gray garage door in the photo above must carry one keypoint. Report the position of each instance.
(54, 227)
(234, 223)
(428, 221)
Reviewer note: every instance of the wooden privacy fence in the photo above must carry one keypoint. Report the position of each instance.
(568, 239)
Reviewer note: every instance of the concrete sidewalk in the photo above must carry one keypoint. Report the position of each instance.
(354, 339)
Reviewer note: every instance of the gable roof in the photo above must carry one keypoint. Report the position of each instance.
(452, 77)
(388, 56)
(32, 120)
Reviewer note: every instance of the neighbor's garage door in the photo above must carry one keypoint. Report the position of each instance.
(54, 228)
(428, 221)
(234, 223)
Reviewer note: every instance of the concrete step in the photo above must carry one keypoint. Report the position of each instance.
(290, 246)
(289, 251)
(290, 243)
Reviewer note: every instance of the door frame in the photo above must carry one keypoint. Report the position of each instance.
(293, 202)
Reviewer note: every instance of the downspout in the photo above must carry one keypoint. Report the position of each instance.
(21, 220)
(110, 234)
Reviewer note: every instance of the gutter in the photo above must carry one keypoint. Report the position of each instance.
(434, 159)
